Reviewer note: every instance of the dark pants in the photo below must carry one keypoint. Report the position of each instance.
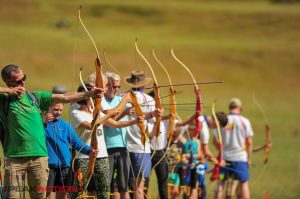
(119, 162)
(161, 171)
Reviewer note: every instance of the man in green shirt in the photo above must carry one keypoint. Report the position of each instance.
(25, 150)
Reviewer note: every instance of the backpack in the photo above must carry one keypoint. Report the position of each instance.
(3, 125)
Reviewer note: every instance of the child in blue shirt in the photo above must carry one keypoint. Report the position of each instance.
(59, 137)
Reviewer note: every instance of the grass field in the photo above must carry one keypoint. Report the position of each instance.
(249, 45)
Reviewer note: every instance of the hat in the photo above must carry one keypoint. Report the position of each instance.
(235, 102)
(59, 90)
(137, 79)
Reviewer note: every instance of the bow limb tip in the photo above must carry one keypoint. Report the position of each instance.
(97, 62)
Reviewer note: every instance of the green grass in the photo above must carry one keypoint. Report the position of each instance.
(249, 45)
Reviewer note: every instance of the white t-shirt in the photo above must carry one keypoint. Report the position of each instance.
(204, 133)
(162, 138)
(134, 143)
(234, 136)
(77, 118)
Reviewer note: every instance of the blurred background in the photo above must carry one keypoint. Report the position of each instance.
(252, 46)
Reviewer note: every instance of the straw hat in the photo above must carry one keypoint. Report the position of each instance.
(137, 79)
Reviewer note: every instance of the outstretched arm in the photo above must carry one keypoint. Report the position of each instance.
(187, 120)
(73, 97)
(208, 155)
(120, 124)
(260, 148)
(129, 110)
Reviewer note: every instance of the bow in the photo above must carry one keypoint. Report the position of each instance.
(136, 105)
(97, 106)
(172, 111)
(92, 102)
(172, 101)
(144, 131)
(158, 104)
(216, 170)
(268, 140)
(197, 93)
(139, 113)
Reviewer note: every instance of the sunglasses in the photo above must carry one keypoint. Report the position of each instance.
(116, 87)
(19, 81)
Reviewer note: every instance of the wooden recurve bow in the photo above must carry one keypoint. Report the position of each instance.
(158, 104)
(97, 106)
(216, 171)
(268, 139)
(172, 103)
(197, 93)
(172, 111)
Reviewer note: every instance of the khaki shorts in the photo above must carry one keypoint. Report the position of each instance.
(17, 169)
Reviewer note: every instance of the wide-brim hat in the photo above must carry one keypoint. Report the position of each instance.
(137, 79)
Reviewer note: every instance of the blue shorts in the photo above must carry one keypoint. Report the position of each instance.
(237, 170)
(188, 177)
(139, 160)
(201, 180)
